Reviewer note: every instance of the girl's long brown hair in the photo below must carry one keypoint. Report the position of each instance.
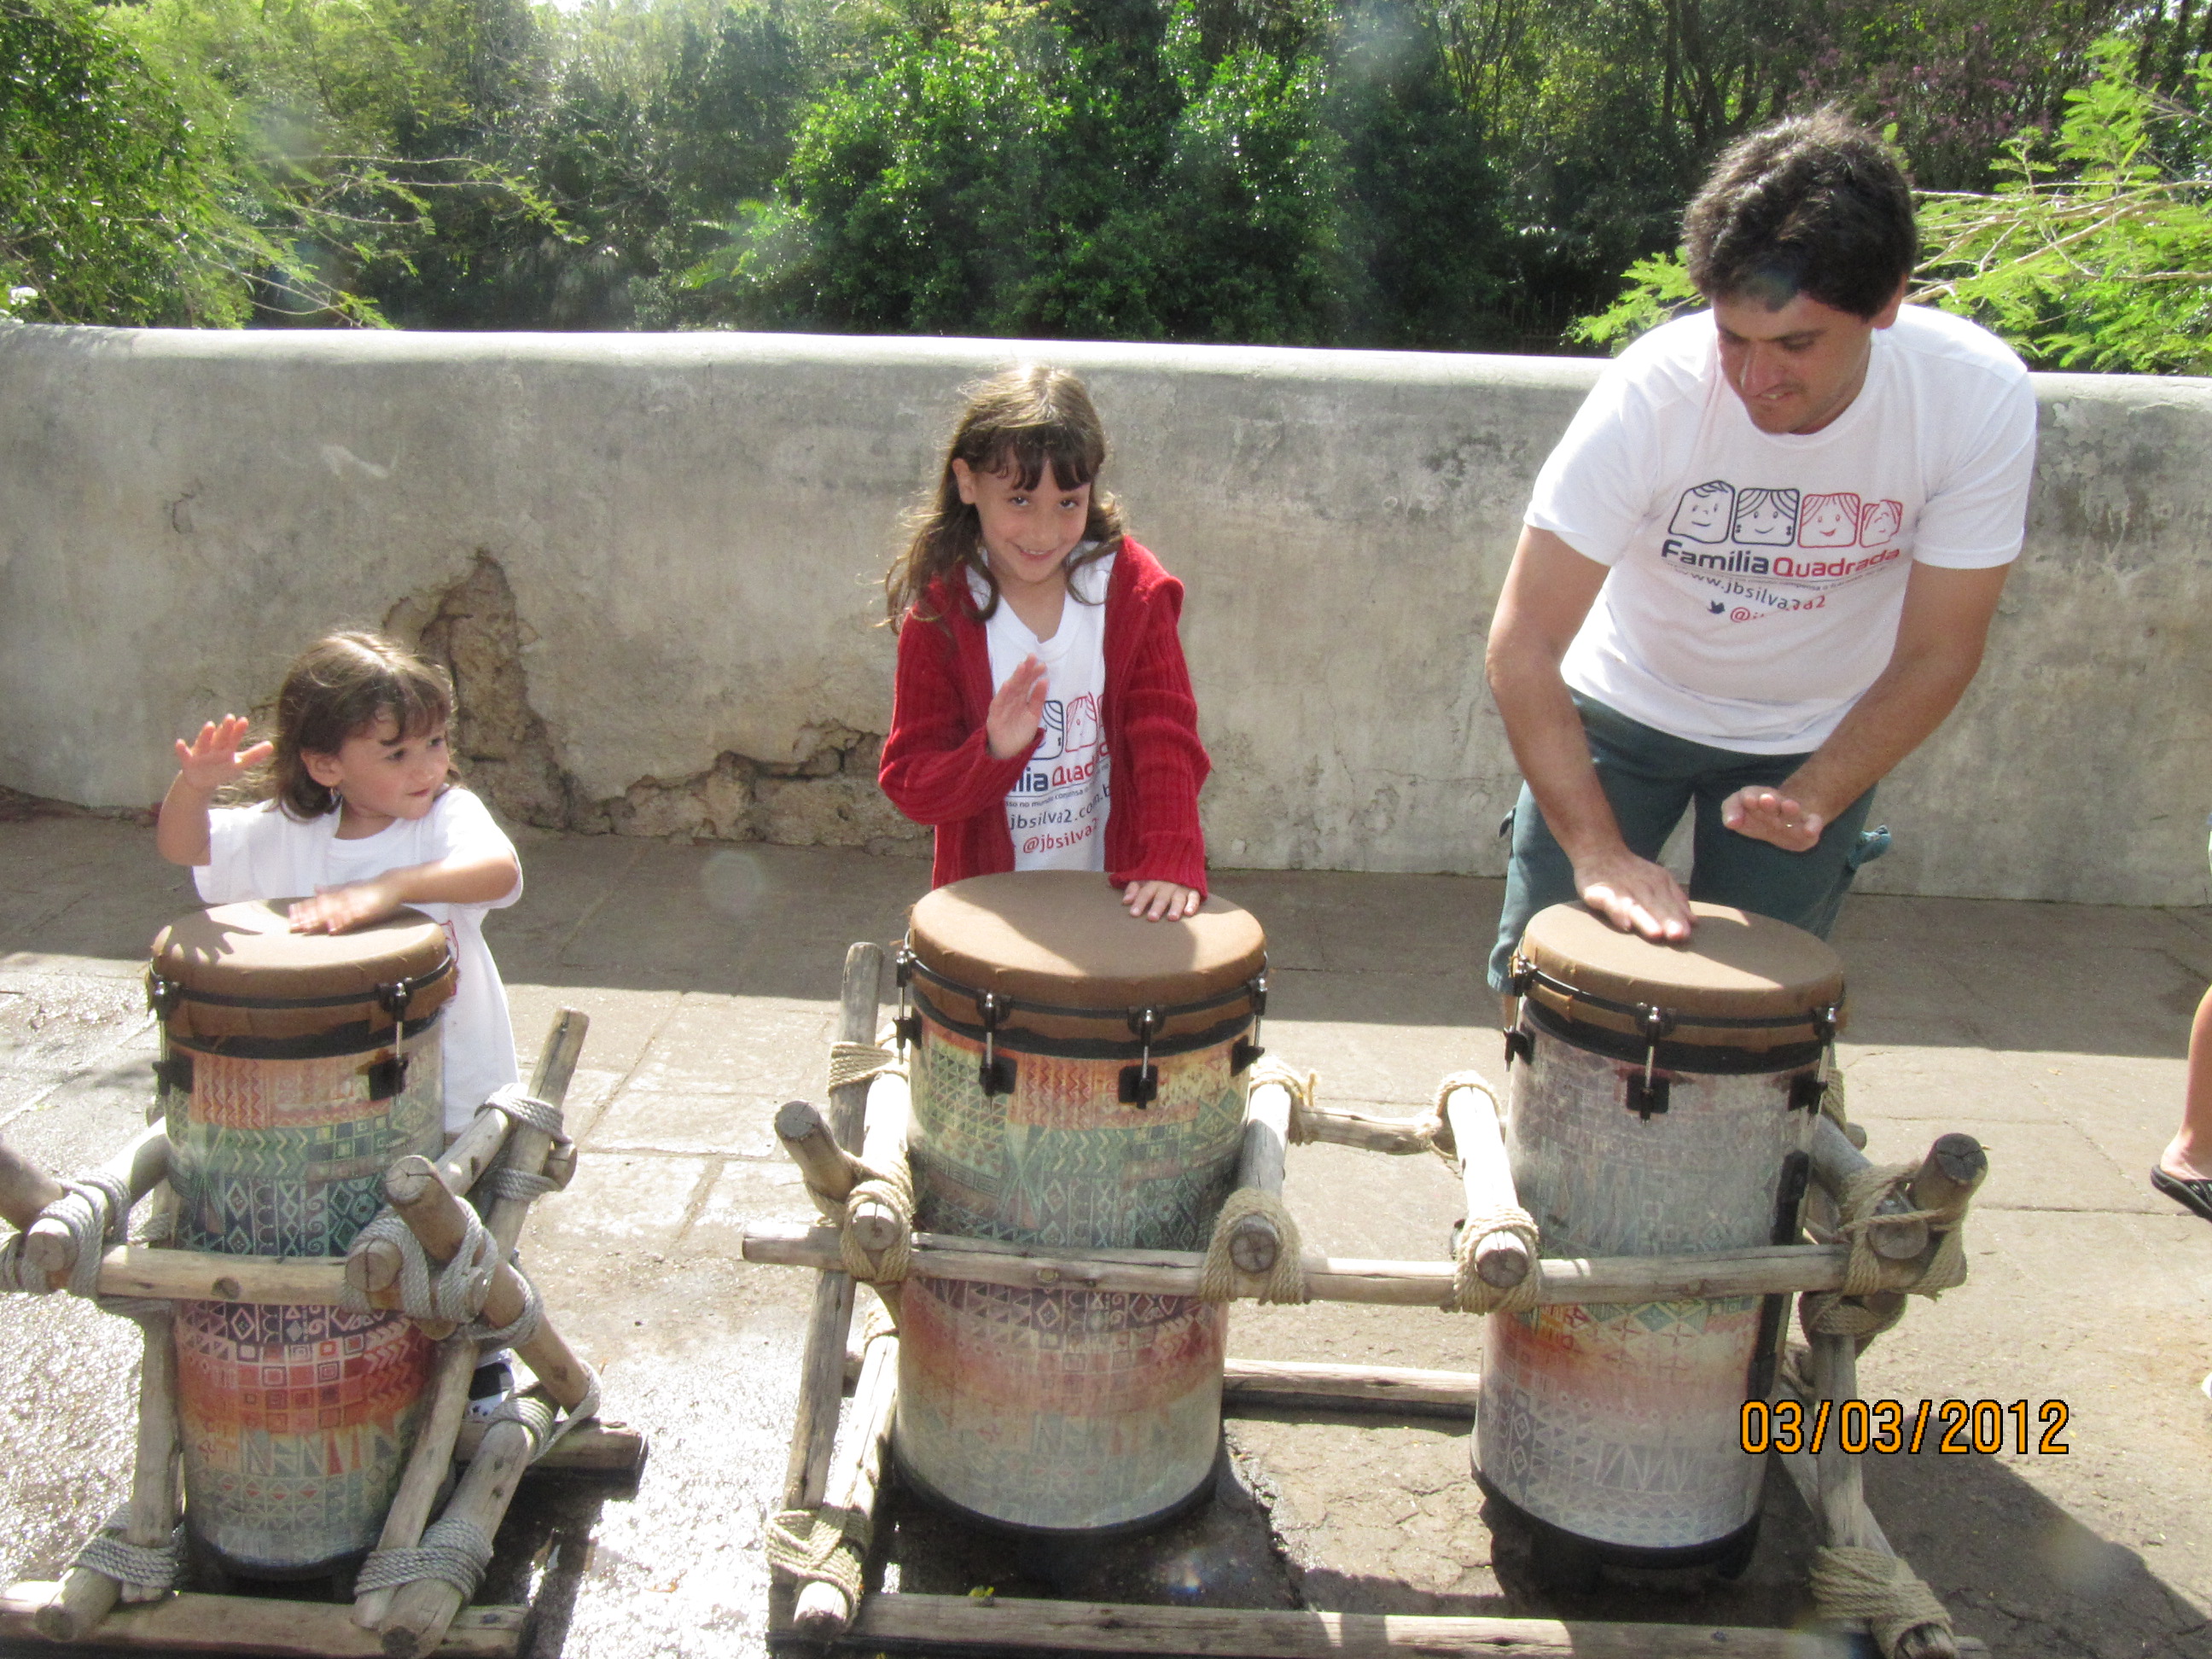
(338, 688)
(1021, 421)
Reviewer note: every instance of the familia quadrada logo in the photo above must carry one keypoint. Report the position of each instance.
(1718, 530)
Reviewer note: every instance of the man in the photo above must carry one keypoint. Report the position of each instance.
(1758, 570)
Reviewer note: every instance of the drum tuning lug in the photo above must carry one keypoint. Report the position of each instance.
(1806, 1092)
(997, 1072)
(997, 1075)
(1827, 1021)
(1257, 986)
(1647, 1096)
(163, 995)
(907, 1030)
(387, 1077)
(903, 964)
(1140, 1086)
(1242, 1054)
(1520, 974)
(1519, 1045)
(173, 1074)
(393, 999)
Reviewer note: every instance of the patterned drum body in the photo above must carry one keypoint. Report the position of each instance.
(1069, 1410)
(288, 1093)
(1620, 1424)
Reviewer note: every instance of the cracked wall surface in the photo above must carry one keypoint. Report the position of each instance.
(508, 755)
(652, 560)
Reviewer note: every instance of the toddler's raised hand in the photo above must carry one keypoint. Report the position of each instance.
(214, 759)
(1015, 711)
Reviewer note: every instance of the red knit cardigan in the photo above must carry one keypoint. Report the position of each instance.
(938, 768)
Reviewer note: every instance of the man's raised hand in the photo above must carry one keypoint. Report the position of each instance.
(1767, 815)
(1011, 724)
(214, 759)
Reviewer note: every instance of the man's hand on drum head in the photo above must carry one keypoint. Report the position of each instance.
(214, 759)
(1011, 723)
(1768, 815)
(1635, 895)
(339, 909)
(1161, 900)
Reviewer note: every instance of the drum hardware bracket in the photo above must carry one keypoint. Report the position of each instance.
(1246, 1050)
(1806, 1091)
(394, 998)
(385, 1076)
(997, 1071)
(1140, 1083)
(1647, 1095)
(1519, 1045)
(163, 995)
(174, 1073)
(906, 1026)
(1242, 1054)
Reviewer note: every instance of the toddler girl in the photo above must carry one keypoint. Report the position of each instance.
(364, 816)
(1043, 717)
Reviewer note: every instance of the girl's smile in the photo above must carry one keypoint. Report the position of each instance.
(382, 775)
(1027, 533)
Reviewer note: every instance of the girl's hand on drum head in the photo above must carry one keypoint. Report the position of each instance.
(1770, 815)
(214, 759)
(1161, 900)
(1636, 895)
(339, 909)
(1010, 725)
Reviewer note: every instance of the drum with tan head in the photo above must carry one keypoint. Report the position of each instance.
(1078, 1079)
(1661, 1099)
(296, 1069)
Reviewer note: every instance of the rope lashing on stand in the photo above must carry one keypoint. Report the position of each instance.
(154, 1567)
(1471, 1292)
(1845, 1313)
(1220, 1278)
(526, 1111)
(452, 1551)
(863, 1063)
(95, 1209)
(1850, 1583)
(829, 1545)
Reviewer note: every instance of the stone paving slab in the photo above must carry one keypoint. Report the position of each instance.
(2054, 1033)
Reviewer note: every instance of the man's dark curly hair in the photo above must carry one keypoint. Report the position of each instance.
(1816, 205)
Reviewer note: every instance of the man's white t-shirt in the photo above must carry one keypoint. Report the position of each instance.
(1757, 577)
(1057, 812)
(261, 853)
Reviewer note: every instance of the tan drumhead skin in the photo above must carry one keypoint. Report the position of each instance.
(1061, 937)
(250, 951)
(1735, 965)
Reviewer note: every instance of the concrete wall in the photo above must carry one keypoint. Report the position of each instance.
(652, 559)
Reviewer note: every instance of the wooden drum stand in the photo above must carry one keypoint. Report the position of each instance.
(1855, 1270)
(425, 1614)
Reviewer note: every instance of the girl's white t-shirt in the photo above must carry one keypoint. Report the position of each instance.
(1757, 577)
(1057, 812)
(259, 852)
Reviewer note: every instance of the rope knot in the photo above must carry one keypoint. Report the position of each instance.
(827, 1546)
(1877, 1587)
(154, 1567)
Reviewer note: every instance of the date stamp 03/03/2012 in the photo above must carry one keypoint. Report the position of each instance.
(1897, 1425)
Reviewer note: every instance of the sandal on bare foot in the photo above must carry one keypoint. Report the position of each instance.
(2192, 1194)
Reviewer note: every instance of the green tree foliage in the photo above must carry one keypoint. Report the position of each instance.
(2094, 251)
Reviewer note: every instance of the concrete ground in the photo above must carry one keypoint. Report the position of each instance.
(2052, 1033)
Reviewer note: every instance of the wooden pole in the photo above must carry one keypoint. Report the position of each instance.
(1846, 1521)
(25, 1188)
(420, 1612)
(1501, 1259)
(965, 1625)
(822, 1369)
(1275, 1383)
(142, 1165)
(1835, 1162)
(1767, 1269)
(1950, 1173)
(829, 1169)
(259, 1625)
(594, 1448)
(875, 1224)
(432, 1454)
(83, 1598)
(823, 1612)
(1254, 1242)
(1339, 1125)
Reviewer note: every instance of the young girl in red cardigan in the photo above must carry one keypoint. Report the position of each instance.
(1043, 718)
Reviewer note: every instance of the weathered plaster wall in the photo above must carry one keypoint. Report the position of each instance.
(652, 561)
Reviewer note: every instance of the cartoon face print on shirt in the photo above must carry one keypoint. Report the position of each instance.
(1704, 513)
(1829, 521)
(1883, 521)
(1766, 518)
